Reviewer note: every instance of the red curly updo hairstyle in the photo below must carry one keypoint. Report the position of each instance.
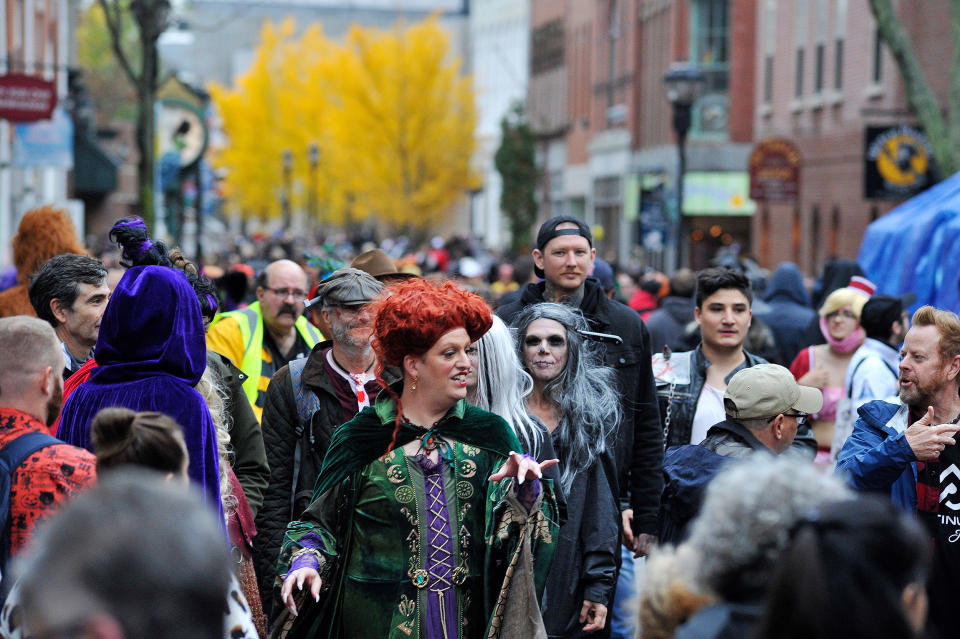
(414, 315)
(418, 313)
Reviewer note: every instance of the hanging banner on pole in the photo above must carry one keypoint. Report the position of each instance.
(24, 98)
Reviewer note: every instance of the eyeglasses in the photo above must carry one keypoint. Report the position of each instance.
(554, 341)
(800, 417)
(284, 293)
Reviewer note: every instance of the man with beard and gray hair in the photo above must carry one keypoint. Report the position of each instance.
(45, 472)
(907, 450)
(307, 400)
(715, 584)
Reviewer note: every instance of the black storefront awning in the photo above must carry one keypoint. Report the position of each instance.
(94, 171)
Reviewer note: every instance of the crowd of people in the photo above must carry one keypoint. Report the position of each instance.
(436, 444)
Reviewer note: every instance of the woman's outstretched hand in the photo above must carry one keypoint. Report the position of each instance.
(523, 467)
(300, 577)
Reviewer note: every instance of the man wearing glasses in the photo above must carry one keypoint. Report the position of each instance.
(263, 337)
(764, 408)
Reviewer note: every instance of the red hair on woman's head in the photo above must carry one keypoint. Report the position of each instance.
(418, 313)
(413, 315)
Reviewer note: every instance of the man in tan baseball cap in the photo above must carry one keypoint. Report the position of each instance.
(764, 407)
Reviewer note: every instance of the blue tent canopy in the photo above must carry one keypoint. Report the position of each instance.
(916, 247)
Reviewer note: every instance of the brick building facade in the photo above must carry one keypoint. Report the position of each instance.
(598, 103)
(822, 79)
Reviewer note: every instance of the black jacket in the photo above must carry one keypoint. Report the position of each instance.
(678, 392)
(587, 555)
(279, 435)
(639, 444)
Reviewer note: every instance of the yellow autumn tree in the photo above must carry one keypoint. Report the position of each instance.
(390, 112)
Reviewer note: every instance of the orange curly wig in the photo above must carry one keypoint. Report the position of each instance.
(43, 233)
(413, 316)
(418, 313)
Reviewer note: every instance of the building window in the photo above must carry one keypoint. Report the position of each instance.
(769, 47)
(838, 65)
(547, 47)
(835, 232)
(874, 213)
(798, 78)
(815, 237)
(556, 192)
(877, 75)
(710, 49)
(768, 79)
(818, 69)
(765, 235)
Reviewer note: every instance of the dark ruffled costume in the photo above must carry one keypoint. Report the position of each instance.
(151, 354)
(390, 534)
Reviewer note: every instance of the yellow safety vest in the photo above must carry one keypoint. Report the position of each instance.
(250, 321)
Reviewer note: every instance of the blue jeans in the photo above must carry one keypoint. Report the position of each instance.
(623, 617)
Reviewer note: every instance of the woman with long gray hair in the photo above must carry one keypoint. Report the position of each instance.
(498, 383)
(574, 397)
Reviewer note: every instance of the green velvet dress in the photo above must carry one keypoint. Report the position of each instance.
(369, 515)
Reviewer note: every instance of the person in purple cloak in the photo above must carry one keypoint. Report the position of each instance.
(151, 353)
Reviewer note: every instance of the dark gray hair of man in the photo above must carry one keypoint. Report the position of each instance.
(60, 278)
(136, 548)
(502, 383)
(747, 517)
(584, 392)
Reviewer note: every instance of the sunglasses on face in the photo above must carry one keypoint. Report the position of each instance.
(554, 341)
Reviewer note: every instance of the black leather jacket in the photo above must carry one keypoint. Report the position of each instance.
(680, 380)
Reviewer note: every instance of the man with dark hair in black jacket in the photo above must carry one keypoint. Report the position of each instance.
(564, 257)
(690, 384)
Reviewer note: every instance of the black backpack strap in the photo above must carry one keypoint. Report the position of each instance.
(307, 404)
(12, 455)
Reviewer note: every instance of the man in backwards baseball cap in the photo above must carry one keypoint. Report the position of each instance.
(764, 407)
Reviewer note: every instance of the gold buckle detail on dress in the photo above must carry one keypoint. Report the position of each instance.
(420, 578)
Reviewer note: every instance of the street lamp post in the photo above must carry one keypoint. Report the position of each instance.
(287, 169)
(684, 83)
(314, 153)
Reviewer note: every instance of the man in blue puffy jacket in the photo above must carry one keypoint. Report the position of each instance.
(908, 450)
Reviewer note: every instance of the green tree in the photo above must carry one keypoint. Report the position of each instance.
(140, 63)
(516, 163)
(942, 129)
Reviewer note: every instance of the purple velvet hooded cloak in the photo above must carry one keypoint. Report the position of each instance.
(151, 352)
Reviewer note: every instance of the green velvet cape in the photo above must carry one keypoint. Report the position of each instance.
(367, 436)
(369, 513)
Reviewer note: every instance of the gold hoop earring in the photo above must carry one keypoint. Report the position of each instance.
(413, 385)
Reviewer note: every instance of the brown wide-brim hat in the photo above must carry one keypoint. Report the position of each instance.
(379, 265)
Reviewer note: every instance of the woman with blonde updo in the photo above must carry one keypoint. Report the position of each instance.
(825, 366)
